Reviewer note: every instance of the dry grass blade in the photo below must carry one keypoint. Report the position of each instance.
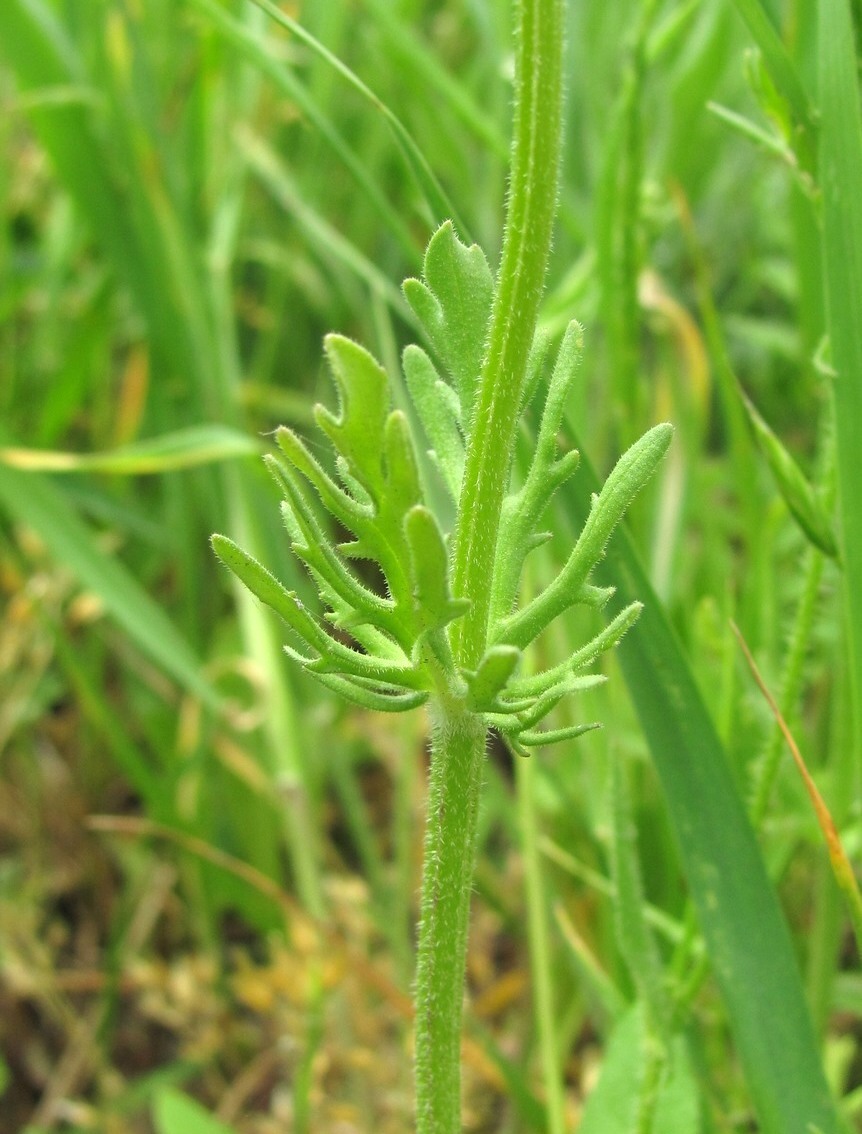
(841, 865)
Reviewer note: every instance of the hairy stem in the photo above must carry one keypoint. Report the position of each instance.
(457, 757)
(458, 746)
(535, 160)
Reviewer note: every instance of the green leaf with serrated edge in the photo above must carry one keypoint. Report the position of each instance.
(631, 472)
(438, 416)
(380, 701)
(493, 674)
(796, 491)
(357, 433)
(523, 510)
(454, 304)
(429, 565)
(555, 735)
(387, 548)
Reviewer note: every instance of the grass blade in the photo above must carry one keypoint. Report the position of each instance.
(437, 201)
(183, 449)
(745, 932)
(840, 178)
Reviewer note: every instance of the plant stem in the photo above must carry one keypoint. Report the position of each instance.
(457, 757)
(536, 146)
(458, 735)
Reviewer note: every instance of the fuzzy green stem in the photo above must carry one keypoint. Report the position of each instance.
(458, 738)
(536, 147)
(457, 758)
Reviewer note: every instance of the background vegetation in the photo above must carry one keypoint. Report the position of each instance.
(192, 195)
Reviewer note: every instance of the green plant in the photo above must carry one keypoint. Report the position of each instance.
(448, 631)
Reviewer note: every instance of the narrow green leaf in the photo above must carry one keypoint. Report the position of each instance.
(745, 932)
(334, 657)
(840, 179)
(437, 201)
(492, 676)
(798, 494)
(555, 735)
(634, 937)
(381, 701)
(334, 498)
(264, 57)
(357, 433)
(429, 564)
(186, 448)
(439, 417)
(779, 64)
(402, 475)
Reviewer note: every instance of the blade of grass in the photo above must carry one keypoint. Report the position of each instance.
(435, 78)
(745, 932)
(185, 448)
(840, 179)
(778, 62)
(281, 75)
(841, 867)
(438, 204)
(272, 172)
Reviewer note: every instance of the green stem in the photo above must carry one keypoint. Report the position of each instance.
(536, 147)
(458, 737)
(457, 757)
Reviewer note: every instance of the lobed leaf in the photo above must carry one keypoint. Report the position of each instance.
(523, 510)
(357, 433)
(454, 305)
(631, 472)
(382, 699)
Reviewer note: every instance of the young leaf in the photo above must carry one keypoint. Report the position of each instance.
(454, 304)
(433, 400)
(798, 494)
(364, 396)
(522, 511)
(492, 676)
(631, 472)
(429, 563)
